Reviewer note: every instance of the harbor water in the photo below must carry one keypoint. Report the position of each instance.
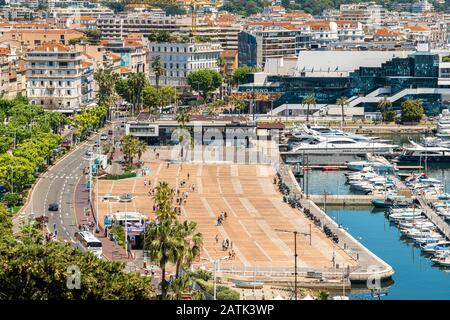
(415, 275)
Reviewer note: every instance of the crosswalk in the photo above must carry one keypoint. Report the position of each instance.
(62, 176)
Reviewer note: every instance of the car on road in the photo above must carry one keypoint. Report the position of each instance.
(89, 153)
(53, 207)
(104, 137)
(110, 132)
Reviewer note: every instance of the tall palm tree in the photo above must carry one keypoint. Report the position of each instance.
(308, 101)
(130, 147)
(384, 104)
(221, 63)
(183, 117)
(342, 101)
(136, 83)
(141, 148)
(158, 69)
(160, 243)
(178, 286)
(190, 246)
(163, 198)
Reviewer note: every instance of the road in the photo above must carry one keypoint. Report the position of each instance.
(57, 185)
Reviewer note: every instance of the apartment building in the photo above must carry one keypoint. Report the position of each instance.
(32, 38)
(324, 33)
(58, 79)
(350, 31)
(179, 59)
(134, 54)
(263, 40)
(369, 14)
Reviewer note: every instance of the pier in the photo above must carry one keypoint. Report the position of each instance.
(435, 218)
(368, 265)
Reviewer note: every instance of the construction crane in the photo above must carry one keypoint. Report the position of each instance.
(194, 5)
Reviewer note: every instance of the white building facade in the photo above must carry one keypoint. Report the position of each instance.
(57, 80)
(179, 59)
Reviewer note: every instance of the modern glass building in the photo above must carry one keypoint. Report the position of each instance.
(415, 76)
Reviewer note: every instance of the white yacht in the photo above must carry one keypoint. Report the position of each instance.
(418, 153)
(310, 144)
(443, 126)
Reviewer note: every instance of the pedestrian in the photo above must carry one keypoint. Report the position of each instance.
(145, 183)
(225, 215)
(188, 176)
(231, 244)
(217, 238)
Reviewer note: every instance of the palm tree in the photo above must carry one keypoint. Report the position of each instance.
(308, 100)
(141, 149)
(221, 63)
(158, 69)
(342, 101)
(183, 117)
(178, 286)
(163, 200)
(190, 246)
(130, 147)
(136, 83)
(160, 243)
(384, 104)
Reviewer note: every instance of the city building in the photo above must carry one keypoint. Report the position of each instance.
(32, 38)
(58, 79)
(364, 77)
(369, 14)
(263, 40)
(134, 54)
(179, 59)
(421, 6)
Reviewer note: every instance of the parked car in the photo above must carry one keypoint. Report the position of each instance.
(89, 153)
(104, 137)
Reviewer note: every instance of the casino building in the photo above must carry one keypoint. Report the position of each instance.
(364, 77)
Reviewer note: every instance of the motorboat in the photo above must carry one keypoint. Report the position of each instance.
(441, 246)
(377, 166)
(342, 145)
(391, 202)
(418, 153)
(442, 260)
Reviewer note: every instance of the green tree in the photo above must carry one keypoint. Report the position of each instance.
(11, 199)
(308, 101)
(323, 295)
(389, 115)
(123, 89)
(411, 110)
(141, 149)
(152, 99)
(177, 286)
(158, 69)
(204, 80)
(130, 147)
(342, 101)
(136, 83)
(189, 247)
(106, 84)
(240, 75)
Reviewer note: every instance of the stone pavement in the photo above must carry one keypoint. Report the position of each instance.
(254, 207)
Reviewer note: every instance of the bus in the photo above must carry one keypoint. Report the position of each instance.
(88, 242)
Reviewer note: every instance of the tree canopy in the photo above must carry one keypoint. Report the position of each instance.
(411, 111)
(204, 80)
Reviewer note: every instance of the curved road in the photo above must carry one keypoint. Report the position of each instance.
(58, 185)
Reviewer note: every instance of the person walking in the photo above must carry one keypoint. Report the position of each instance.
(217, 238)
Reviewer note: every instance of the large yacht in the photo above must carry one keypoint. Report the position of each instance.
(418, 153)
(310, 144)
(443, 126)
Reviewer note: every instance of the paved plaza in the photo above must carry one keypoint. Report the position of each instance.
(254, 208)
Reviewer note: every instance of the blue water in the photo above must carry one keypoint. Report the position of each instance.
(415, 276)
(328, 181)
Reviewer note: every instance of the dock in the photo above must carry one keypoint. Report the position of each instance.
(443, 226)
(368, 265)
